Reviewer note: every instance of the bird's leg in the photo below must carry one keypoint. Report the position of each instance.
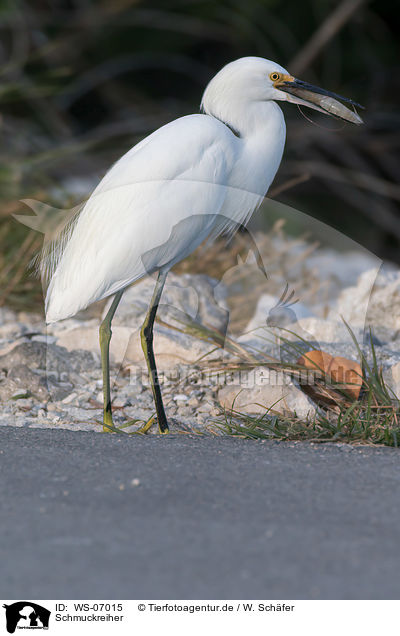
(146, 336)
(105, 337)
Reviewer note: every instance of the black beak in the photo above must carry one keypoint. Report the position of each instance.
(320, 99)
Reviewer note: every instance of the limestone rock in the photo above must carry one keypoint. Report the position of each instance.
(268, 307)
(40, 355)
(187, 294)
(22, 380)
(29, 353)
(44, 370)
(345, 268)
(320, 330)
(269, 390)
(374, 301)
(191, 295)
(7, 316)
(391, 378)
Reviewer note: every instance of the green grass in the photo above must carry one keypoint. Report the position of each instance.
(357, 424)
(19, 288)
(82, 83)
(374, 418)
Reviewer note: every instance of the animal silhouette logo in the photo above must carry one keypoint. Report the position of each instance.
(272, 328)
(26, 615)
(281, 319)
(282, 314)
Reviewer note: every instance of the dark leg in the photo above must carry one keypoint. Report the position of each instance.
(146, 335)
(105, 337)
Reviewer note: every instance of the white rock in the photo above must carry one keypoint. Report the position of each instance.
(264, 329)
(317, 329)
(184, 295)
(7, 316)
(48, 339)
(346, 266)
(268, 390)
(24, 403)
(70, 323)
(374, 301)
(11, 330)
(70, 398)
(353, 302)
(268, 304)
(171, 347)
(180, 397)
(391, 377)
(20, 394)
(205, 407)
(80, 337)
(384, 306)
(308, 333)
(191, 295)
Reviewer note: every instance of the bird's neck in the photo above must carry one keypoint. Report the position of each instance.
(262, 135)
(248, 119)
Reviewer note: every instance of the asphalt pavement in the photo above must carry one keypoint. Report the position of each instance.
(99, 516)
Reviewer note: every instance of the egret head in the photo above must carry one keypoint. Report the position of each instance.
(251, 80)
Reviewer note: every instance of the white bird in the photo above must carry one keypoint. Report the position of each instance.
(196, 177)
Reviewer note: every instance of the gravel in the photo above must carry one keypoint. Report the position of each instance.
(51, 377)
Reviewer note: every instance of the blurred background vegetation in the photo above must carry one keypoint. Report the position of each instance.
(83, 80)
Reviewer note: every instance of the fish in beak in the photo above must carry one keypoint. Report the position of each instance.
(299, 92)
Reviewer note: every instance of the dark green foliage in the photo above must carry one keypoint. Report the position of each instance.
(83, 80)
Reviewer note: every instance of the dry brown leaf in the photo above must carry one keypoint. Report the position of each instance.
(346, 373)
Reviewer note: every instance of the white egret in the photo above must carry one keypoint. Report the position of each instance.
(198, 176)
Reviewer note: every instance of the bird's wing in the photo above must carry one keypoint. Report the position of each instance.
(154, 206)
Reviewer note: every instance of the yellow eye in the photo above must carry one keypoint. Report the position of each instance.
(275, 76)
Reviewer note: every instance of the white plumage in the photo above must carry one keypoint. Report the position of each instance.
(194, 177)
(198, 175)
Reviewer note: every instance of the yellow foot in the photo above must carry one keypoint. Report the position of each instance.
(109, 427)
(145, 428)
